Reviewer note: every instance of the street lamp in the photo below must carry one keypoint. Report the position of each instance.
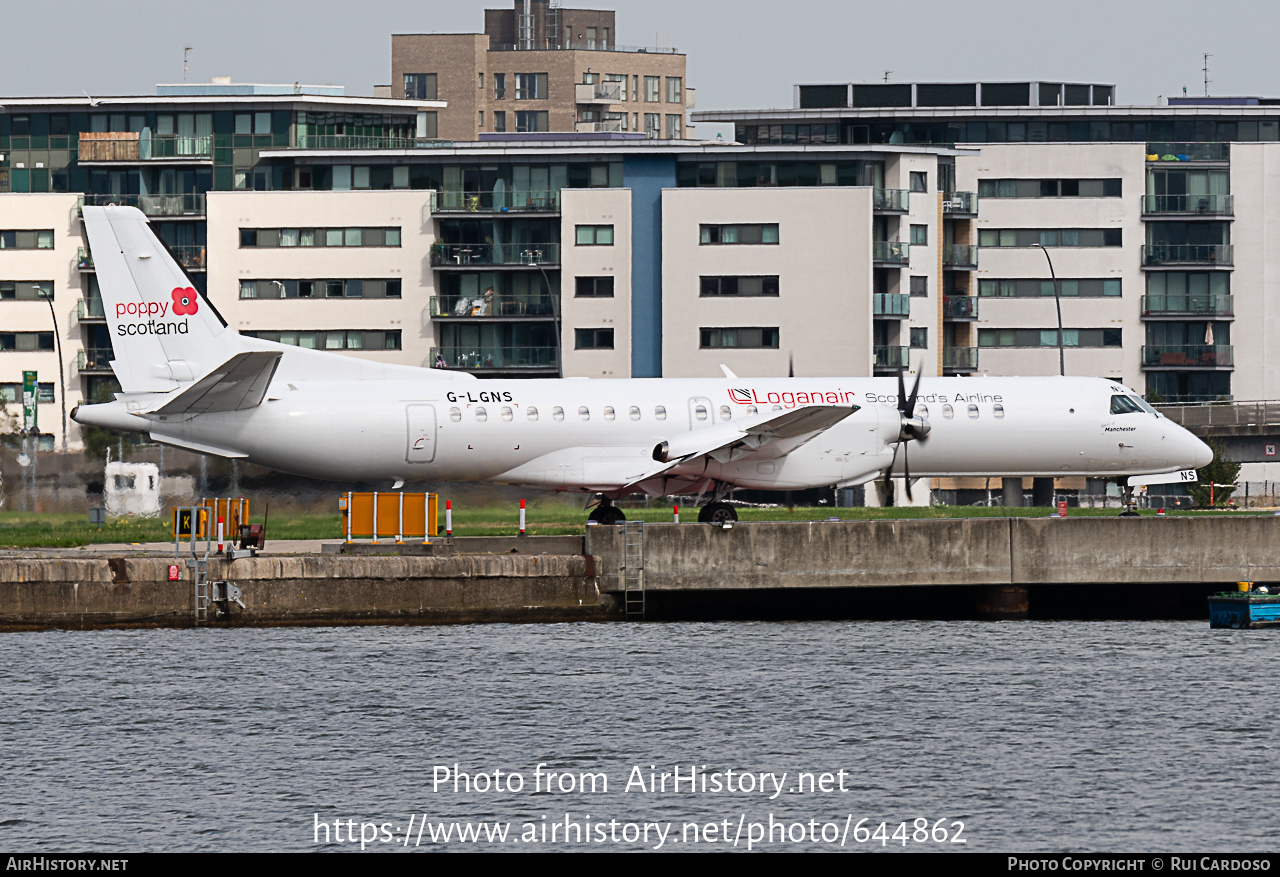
(1057, 301)
(57, 346)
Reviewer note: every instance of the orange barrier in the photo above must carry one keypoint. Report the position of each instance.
(233, 512)
(393, 516)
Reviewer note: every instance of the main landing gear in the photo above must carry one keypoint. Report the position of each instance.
(606, 513)
(717, 513)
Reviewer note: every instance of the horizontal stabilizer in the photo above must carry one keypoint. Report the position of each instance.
(239, 383)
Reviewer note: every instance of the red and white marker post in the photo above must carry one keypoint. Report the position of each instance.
(448, 517)
(522, 518)
(675, 513)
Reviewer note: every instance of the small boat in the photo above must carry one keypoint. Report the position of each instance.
(1245, 609)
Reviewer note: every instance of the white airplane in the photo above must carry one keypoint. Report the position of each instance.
(190, 381)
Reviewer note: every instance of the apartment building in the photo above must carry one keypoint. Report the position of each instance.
(539, 67)
(1152, 219)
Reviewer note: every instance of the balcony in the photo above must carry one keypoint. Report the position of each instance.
(454, 307)
(893, 305)
(960, 204)
(959, 359)
(84, 260)
(891, 357)
(608, 126)
(1158, 151)
(1188, 205)
(545, 201)
(481, 255)
(94, 361)
(90, 311)
(960, 257)
(890, 200)
(598, 93)
(1193, 255)
(960, 308)
(131, 147)
(481, 360)
(356, 141)
(1188, 356)
(190, 205)
(891, 252)
(1181, 307)
(189, 256)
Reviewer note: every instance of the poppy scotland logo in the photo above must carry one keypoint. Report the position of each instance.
(185, 303)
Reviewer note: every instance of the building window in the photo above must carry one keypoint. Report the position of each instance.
(652, 125)
(739, 234)
(1034, 287)
(480, 120)
(1049, 338)
(13, 393)
(26, 341)
(675, 93)
(919, 181)
(420, 86)
(593, 287)
(920, 287)
(480, 80)
(920, 235)
(531, 86)
(619, 82)
(27, 240)
(1071, 188)
(499, 86)
(266, 238)
(530, 121)
(594, 235)
(1049, 237)
(334, 339)
(26, 290)
(744, 287)
(593, 339)
(499, 121)
(744, 338)
(675, 127)
(308, 289)
(652, 84)
(919, 338)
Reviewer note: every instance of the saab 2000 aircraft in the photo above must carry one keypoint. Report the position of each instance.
(190, 381)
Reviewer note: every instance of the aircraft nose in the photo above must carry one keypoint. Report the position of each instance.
(1202, 452)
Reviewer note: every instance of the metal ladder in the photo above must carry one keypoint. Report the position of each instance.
(201, 567)
(199, 525)
(633, 569)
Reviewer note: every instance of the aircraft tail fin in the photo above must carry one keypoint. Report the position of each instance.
(163, 331)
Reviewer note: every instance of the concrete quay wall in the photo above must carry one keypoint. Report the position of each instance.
(947, 552)
(302, 590)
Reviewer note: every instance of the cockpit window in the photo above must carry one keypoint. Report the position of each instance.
(1145, 406)
(1124, 405)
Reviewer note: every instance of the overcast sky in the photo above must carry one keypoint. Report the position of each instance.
(743, 54)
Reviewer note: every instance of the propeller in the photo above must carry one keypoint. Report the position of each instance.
(913, 429)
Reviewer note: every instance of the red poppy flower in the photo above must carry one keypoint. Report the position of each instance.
(185, 303)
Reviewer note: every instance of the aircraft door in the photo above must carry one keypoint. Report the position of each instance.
(421, 440)
(701, 413)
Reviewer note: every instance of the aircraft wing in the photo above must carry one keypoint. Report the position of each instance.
(594, 469)
(239, 383)
(770, 435)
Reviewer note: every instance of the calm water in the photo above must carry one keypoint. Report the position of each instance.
(1056, 736)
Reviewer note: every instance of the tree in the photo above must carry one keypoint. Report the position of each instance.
(1220, 471)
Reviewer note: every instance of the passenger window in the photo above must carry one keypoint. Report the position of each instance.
(751, 409)
(726, 413)
(506, 413)
(997, 411)
(482, 415)
(557, 414)
(660, 412)
(455, 414)
(608, 413)
(973, 412)
(584, 412)
(948, 412)
(533, 413)
(635, 413)
(923, 411)
(700, 412)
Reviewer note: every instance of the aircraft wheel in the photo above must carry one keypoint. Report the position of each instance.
(717, 513)
(606, 515)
